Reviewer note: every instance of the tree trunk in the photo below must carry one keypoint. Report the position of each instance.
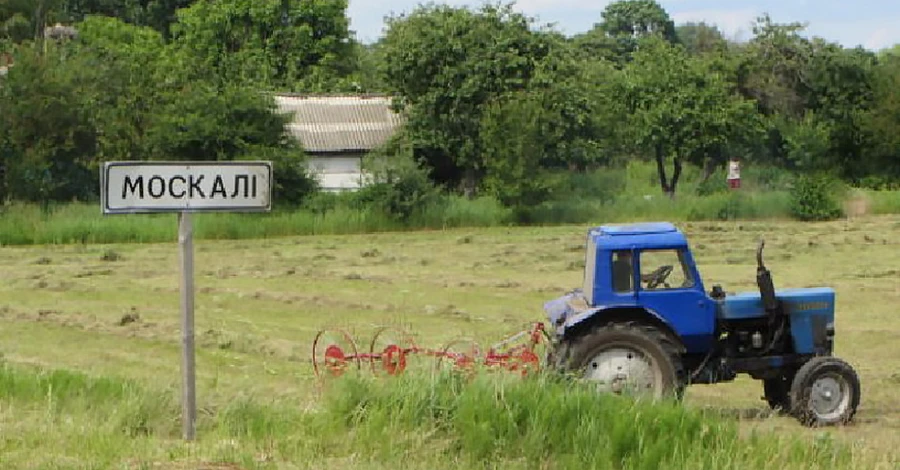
(675, 176)
(708, 169)
(469, 183)
(661, 170)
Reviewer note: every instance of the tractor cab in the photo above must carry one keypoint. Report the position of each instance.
(622, 262)
(646, 269)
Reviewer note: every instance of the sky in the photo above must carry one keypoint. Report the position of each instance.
(873, 24)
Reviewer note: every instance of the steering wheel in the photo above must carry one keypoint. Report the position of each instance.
(657, 277)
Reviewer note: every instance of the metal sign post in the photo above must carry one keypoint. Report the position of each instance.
(145, 187)
(188, 389)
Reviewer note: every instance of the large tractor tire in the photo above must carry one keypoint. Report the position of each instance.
(628, 358)
(825, 392)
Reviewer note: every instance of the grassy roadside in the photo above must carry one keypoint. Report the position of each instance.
(83, 223)
(416, 421)
(603, 196)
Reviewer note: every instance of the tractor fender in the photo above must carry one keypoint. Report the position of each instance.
(583, 320)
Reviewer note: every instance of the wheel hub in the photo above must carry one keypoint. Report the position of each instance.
(829, 396)
(622, 370)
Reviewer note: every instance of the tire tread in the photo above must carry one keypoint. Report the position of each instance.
(803, 380)
(670, 347)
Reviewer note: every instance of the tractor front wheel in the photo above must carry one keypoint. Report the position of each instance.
(629, 358)
(825, 392)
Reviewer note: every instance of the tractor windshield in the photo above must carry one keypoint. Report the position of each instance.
(590, 262)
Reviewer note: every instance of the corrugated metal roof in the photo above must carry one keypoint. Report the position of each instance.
(339, 123)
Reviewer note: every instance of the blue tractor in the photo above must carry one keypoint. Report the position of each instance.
(643, 323)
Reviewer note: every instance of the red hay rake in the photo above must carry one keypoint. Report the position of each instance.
(391, 350)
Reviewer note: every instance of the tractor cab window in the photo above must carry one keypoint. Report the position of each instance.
(664, 269)
(622, 271)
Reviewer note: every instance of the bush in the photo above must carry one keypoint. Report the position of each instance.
(767, 178)
(397, 184)
(712, 185)
(814, 198)
(323, 202)
(880, 182)
(292, 181)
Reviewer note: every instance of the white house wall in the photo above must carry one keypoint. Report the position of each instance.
(339, 181)
(336, 164)
(336, 173)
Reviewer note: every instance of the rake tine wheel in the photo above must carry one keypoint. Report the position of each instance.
(518, 352)
(389, 350)
(460, 354)
(334, 351)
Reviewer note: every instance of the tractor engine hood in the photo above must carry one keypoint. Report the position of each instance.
(747, 305)
(811, 313)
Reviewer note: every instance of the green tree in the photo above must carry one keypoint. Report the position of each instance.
(636, 19)
(446, 64)
(840, 83)
(774, 67)
(119, 93)
(880, 124)
(156, 14)
(680, 111)
(22, 20)
(513, 128)
(47, 127)
(807, 141)
(623, 23)
(128, 57)
(290, 45)
(17, 20)
(700, 38)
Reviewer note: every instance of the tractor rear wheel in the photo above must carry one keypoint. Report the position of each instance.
(825, 392)
(629, 358)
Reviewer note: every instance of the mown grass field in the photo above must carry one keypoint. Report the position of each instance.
(112, 312)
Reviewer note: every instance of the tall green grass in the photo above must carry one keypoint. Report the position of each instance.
(416, 421)
(604, 196)
(550, 423)
(883, 202)
(22, 224)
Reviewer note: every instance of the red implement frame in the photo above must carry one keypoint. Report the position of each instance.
(334, 352)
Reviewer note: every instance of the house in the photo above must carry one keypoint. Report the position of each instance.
(336, 131)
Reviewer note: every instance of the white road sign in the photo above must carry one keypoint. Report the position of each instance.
(129, 187)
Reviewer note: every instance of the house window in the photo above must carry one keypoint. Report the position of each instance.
(665, 269)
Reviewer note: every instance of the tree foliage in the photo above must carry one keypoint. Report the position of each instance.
(635, 19)
(447, 64)
(680, 112)
(623, 24)
(700, 38)
(462, 77)
(111, 95)
(493, 102)
(277, 44)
